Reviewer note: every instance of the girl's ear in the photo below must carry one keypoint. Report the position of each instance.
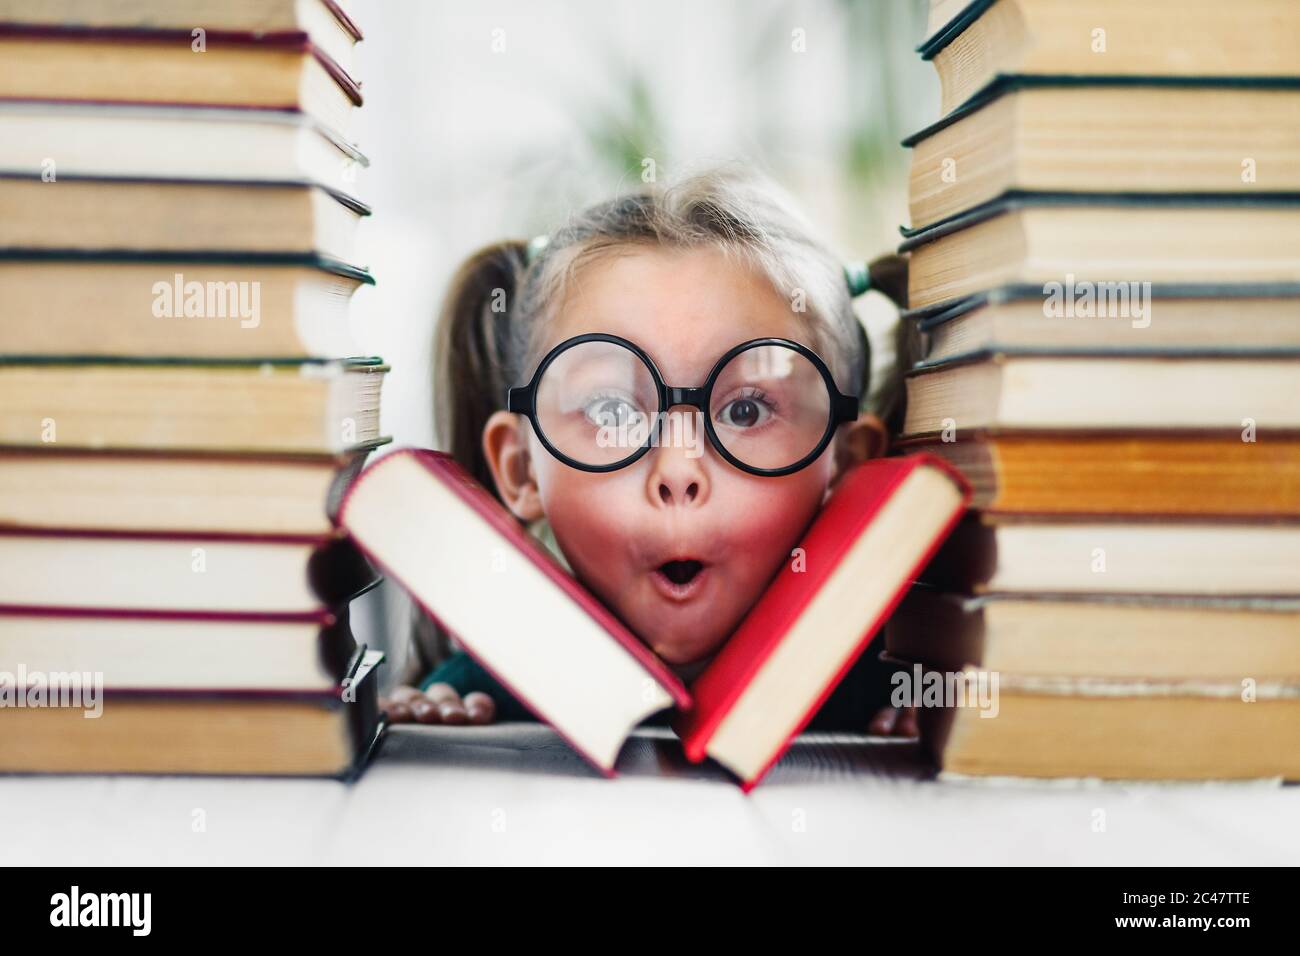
(859, 440)
(505, 446)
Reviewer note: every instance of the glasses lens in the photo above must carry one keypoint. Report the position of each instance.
(770, 407)
(596, 402)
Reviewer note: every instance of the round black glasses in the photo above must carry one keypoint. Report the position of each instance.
(598, 403)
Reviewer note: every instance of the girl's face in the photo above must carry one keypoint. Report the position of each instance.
(679, 544)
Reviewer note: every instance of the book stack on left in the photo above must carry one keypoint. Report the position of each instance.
(178, 409)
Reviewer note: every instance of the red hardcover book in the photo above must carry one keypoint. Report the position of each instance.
(278, 71)
(472, 567)
(167, 573)
(327, 732)
(882, 524)
(159, 651)
(198, 492)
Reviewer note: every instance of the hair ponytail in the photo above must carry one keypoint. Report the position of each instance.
(471, 349)
(889, 277)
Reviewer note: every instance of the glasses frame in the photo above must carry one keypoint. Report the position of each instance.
(522, 399)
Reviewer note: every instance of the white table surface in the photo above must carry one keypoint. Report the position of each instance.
(516, 794)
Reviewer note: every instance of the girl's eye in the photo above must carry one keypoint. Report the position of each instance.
(745, 412)
(611, 411)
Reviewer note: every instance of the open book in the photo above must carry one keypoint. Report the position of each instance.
(419, 516)
(884, 521)
(471, 566)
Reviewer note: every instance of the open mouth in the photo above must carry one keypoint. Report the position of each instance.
(681, 572)
(680, 579)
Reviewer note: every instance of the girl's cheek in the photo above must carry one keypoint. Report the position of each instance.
(770, 511)
(765, 541)
(596, 514)
(590, 514)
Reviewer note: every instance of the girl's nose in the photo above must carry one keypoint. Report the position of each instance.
(677, 476)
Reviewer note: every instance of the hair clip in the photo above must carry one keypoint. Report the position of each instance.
(536, 246)
(858, 277)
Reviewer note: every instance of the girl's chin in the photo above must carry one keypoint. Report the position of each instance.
(684, 653)
(680, 634)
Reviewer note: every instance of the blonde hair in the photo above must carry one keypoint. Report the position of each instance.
(501, 299)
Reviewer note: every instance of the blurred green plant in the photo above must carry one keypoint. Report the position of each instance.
(621, 122)
(622, 134)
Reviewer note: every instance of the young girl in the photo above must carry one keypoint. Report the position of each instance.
(676, 523)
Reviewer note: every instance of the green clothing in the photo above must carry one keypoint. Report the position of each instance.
(864, 690)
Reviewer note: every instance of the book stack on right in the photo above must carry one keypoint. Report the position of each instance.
(1105, 299)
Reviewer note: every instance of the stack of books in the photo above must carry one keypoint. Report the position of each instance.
(1105, 298)
(179, 414)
